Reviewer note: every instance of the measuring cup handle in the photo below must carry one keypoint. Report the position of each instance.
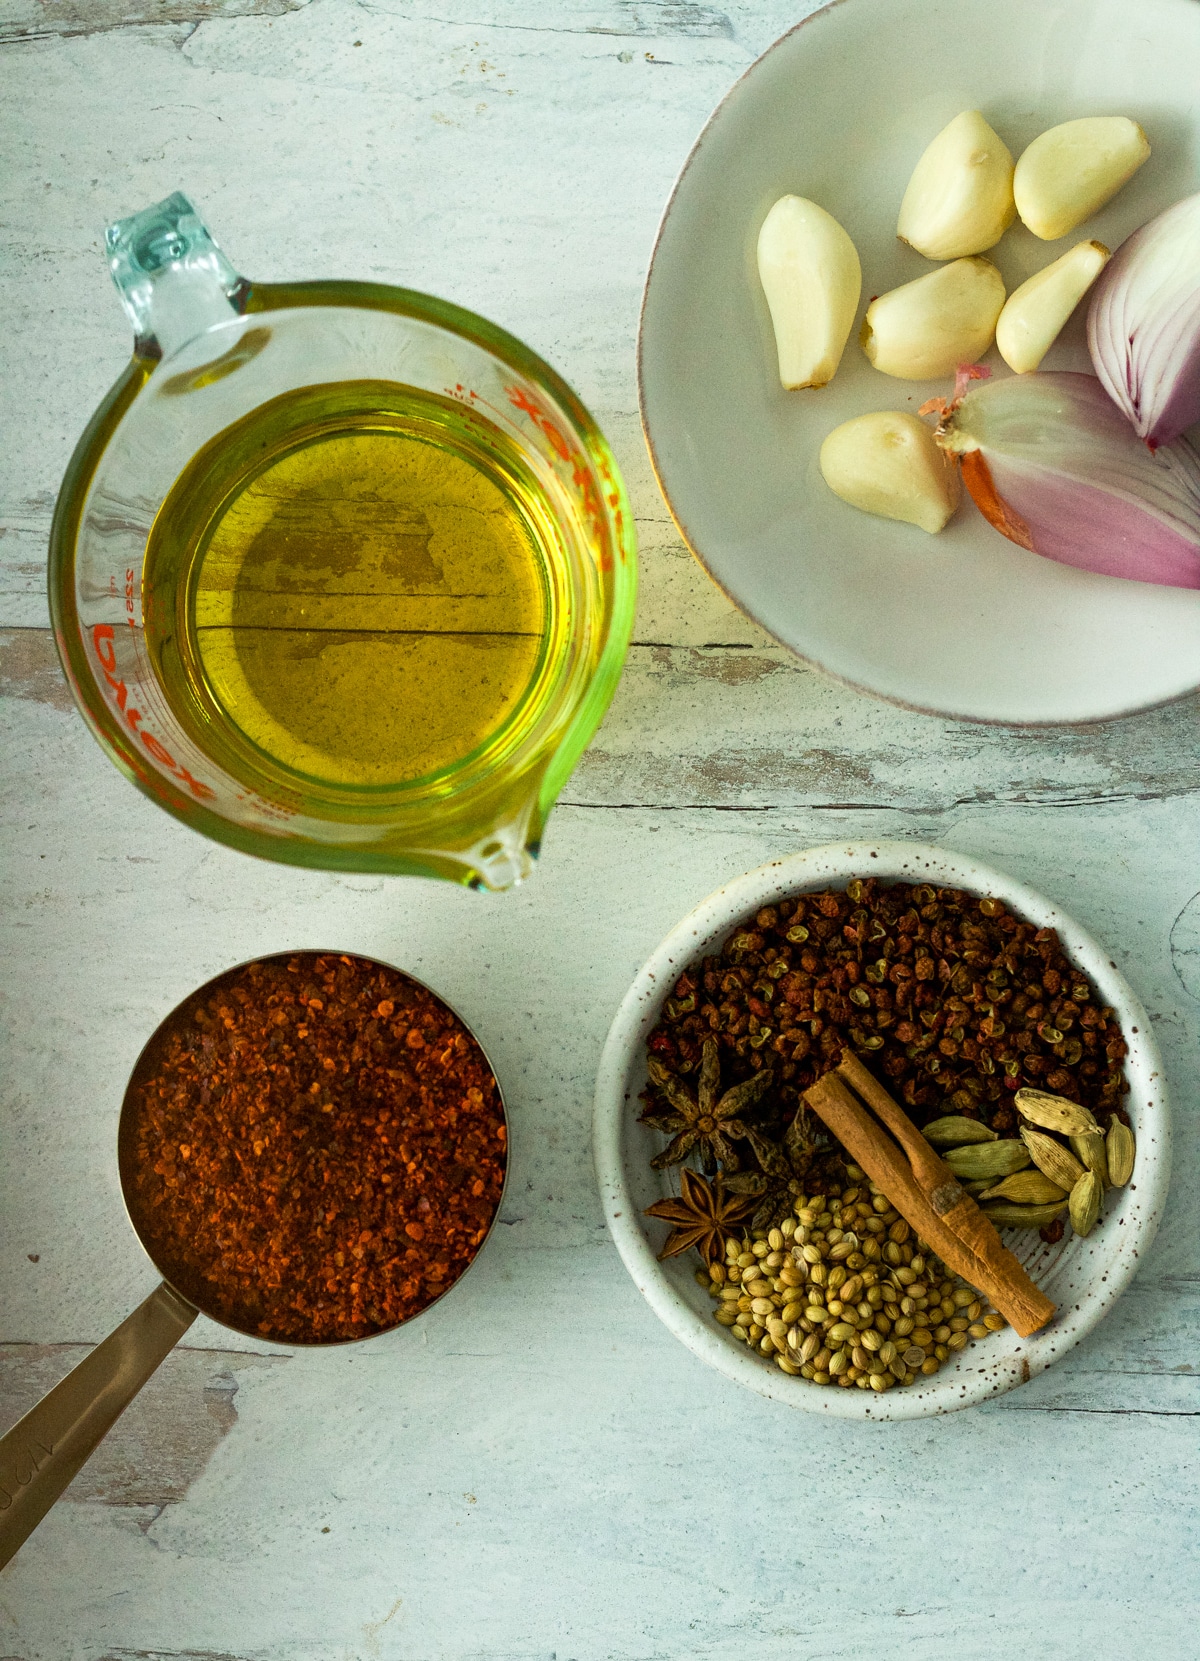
(44, 1450)
(173, 279)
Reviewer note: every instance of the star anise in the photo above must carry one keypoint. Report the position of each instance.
(703, 1121)
(704, 1217)
(783, 1168)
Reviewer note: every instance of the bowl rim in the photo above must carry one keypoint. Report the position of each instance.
(957, 1385)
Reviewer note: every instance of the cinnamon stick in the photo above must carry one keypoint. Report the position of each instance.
(933, 1175)
(926, 1193)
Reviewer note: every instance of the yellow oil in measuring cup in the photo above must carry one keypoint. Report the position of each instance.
(357, 583)
(341, 574)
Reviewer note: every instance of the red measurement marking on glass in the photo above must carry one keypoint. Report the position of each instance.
(581, 473)
(102, 642)
(522, 400)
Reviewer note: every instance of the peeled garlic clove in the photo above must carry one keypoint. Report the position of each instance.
(928, 327)
(1053, 464)
(1070, 172)
(1034, 314)
(1144, 324)
(812, 279)
(887, 463)
(960, 197)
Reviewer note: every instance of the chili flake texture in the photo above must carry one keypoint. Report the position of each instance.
(313, 1148)
(955, 1002)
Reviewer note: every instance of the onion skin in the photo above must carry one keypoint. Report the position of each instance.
(1144, 325)
(977, 476)
(1055, 467)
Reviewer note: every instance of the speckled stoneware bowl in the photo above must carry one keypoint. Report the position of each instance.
(1084, 1277)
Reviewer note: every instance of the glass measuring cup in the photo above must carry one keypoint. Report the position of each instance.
(212, 352)
(41, 1454)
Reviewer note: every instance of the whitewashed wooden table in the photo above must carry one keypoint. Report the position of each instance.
(536, 1469)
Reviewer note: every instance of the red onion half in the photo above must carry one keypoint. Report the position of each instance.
(1054, 465)
(1144, 324)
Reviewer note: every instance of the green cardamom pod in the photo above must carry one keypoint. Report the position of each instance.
(953, 1131)
(1085, 1202)
(1027, 1188)
(1052, 1159)
(1121, 1149)
(1054, 1113)
(988, 1159)
(1093, 1154)
(1007, 1215)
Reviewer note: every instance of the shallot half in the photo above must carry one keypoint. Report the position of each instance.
(1144, 324)
(1054, 465)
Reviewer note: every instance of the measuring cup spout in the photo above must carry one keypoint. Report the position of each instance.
(173, 279)
(45, 1449)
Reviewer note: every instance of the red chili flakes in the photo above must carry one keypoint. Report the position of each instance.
(314, 1148)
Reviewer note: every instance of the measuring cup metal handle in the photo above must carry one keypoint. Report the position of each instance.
(44, 1450)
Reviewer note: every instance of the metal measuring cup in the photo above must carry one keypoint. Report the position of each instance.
(45, 1450)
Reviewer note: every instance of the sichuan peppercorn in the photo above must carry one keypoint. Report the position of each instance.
(952, 998)
(313, 1148)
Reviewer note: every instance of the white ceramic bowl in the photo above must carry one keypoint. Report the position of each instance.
(1084, 1277)
(963, 623)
